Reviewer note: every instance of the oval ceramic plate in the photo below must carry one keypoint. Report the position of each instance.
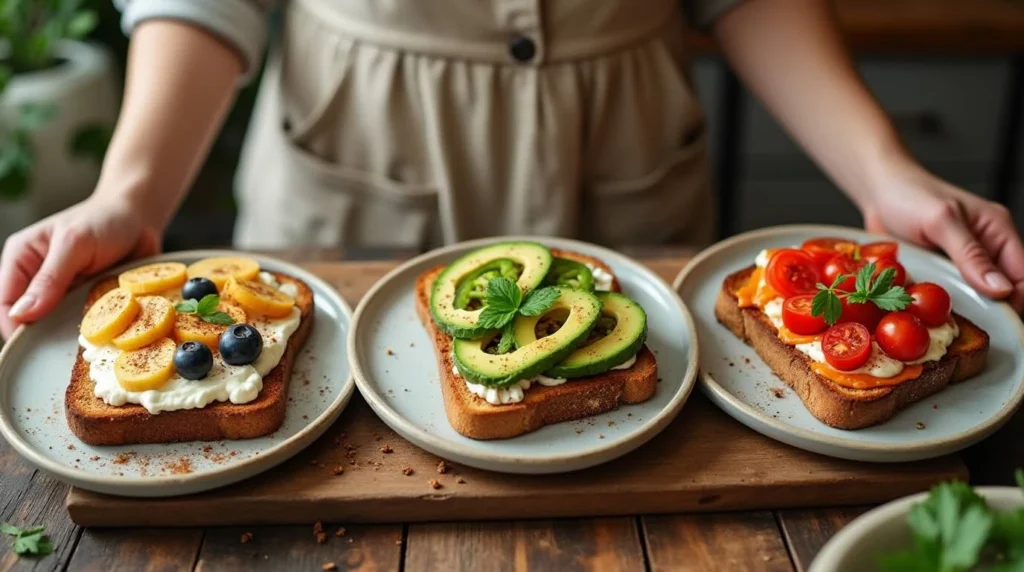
(884, 529)
(35, 367)
(395, 368)
(736, 379)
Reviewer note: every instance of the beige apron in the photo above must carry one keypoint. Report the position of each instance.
(393, 123)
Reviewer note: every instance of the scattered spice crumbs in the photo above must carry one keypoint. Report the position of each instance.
(442, 468)
(460, 480)
(920, 425)
(71, 447)
(340, 532)
(778, 392)
(328, 566)
(434, 484)
(408, 471)
(246, 537)
(386, 449)
(389, 352)
(600, 436)
(746, 360)
(339, 469)
(318, 532)
(182, 466)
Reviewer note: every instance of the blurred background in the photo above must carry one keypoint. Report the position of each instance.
(948, 71)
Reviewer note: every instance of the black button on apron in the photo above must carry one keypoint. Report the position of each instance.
(522, 49)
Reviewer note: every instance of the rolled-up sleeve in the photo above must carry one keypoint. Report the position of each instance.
(240, 23)
(702, 13)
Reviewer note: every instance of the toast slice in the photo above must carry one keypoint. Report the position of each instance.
(474, 417)
(835, 405)
(96, 423)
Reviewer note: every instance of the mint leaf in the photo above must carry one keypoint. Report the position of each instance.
(503, 294)
(187, 307)
(863, 283)
(208, 304)
(494, 318)
(539, 301)
(894, 300)
(507, 342)
(8, 528)
(218, 318)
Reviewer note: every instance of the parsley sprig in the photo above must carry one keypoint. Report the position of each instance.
(206, 309)
(504, 300)
(879, 291)
(954, 530)
(30, 541)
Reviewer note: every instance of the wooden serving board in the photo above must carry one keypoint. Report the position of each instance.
(704, 461)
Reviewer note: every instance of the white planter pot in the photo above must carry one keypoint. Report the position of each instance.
(85, 91)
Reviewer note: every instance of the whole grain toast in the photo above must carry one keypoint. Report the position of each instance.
(835, 405)
(96, 423)
(473, 417)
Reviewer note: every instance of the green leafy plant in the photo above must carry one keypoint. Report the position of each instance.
(30, 541)
(878, 291)
(31, 30)
(206, 309)
(504, 300)
(954, 530)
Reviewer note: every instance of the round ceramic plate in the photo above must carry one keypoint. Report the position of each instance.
(35, 367)
(736, 379)
(395, 368)
(884, 530)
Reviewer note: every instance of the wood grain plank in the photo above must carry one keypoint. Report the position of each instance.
(807, 530)
(137, 549)
(288, 548)
(721, 541)
(606, 545)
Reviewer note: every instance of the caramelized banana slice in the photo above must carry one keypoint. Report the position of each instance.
(220, 269)
(146, 368)
(192, 328)
(153, 278)
(259, 298)
(155, 321)
(109, 316)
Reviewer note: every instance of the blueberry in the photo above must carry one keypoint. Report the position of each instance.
(240, 344)
(193, 360)
(198, 287)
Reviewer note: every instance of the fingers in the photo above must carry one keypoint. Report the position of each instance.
(949, 230)
(22, 256)
(62, 263)
(998, 233)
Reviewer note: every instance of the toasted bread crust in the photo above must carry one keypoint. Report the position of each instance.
(475, 418)
(97, 423)
(832, 404)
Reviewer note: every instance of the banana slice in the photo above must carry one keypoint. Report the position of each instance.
(109, 316)
(153, 278)
(192, 328)
(220, 269)
(154, 321)
(258, 298)
(146, 368)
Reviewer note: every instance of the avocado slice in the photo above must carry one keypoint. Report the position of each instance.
(617, 336)
(578, 310)
(566, 272)
(457, 284)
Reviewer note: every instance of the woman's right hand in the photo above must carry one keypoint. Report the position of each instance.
(41, 262)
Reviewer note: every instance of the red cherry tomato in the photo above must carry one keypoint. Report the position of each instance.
(931, 304)
(901, 273)
(879, 250)
(792, 272)
(796, 316)
(841, 264)
(865, 313)
(824, 248)
(846, 346)
(902, 336)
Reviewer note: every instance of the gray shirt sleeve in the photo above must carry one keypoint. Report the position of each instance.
(702, 13)
(240, 23)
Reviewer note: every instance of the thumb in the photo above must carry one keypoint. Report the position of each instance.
(970, 256)
(62, 263)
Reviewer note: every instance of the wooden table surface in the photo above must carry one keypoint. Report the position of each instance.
(758, 540)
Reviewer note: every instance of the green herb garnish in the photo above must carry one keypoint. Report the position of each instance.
(206, 309)
(879, 291)
(505, 300)
(30, 541)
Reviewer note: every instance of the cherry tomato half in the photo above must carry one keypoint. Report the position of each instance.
(879, 250)
(824, 248)
(796, 316)
(792, 272)
(902, 336)
(931, 304)
(846, 346)
(900, 279)
(841, 264)
(865, 313)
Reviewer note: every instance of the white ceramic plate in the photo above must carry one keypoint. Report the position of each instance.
(736, 379)
(36, 364)
(884, 529)
(403, 386)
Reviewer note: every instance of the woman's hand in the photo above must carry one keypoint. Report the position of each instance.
(978, 235)
(42, 261)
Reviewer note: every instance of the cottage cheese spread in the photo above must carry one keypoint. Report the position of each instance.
(602, 278)
(237, 384)
(510, 394)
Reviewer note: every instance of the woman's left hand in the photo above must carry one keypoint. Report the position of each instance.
(978, 235)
